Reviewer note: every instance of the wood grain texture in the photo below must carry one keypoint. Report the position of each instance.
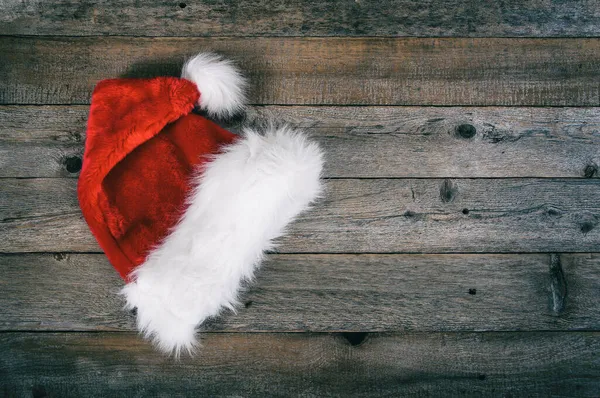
(345, 71)
(462, 292)
(378, 216)
(418, 113)
(421, 142)
(305, 365)
(302, 18)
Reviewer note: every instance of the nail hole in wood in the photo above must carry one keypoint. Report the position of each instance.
(481, 376)
(473, 291)
(590, 170)
(73, 164)
(182, 5)
(465, 211)
(466, 131)
(355, 338)
(248, 303)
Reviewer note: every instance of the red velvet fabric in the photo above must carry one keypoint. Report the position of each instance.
(142, 145)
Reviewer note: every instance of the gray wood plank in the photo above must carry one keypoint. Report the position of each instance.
(302, 18)
(361, 71)
(356, 216)
(462, 292)
(305, 365)
(421, 142)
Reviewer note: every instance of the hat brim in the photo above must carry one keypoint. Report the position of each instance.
(242, 199)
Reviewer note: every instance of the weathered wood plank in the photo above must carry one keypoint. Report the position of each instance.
(379, 216)
(362, 71)
(302, 18)
(47, 141)
(499, 292)
(305, 365)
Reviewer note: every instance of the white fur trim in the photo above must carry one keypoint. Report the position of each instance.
(220, 83)
(242, 200)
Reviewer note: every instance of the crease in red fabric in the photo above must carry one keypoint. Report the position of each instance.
(143, 145)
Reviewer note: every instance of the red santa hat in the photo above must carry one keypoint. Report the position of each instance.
(183, 208)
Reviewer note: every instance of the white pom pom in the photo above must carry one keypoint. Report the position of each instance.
(220, 83)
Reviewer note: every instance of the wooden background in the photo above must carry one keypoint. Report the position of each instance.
(455, 254)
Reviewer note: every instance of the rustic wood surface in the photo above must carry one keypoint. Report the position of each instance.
(373, 142)
(295, 18)
(456, 252)
(332, 71)
(458, 292)
(361, 215)
(306, 365)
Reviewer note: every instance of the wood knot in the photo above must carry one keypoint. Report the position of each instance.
(587, 227)
(60, 256)
(73, 164)
(591, 170)
(587, 223)
(558, 285)
(448, 191)
(466, 131)
(39, 391)
(75, 136)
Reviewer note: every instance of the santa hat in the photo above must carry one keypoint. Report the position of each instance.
(183, 208)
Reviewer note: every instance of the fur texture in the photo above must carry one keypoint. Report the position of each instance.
(141, 144)
(220, 84)
(241, 200)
